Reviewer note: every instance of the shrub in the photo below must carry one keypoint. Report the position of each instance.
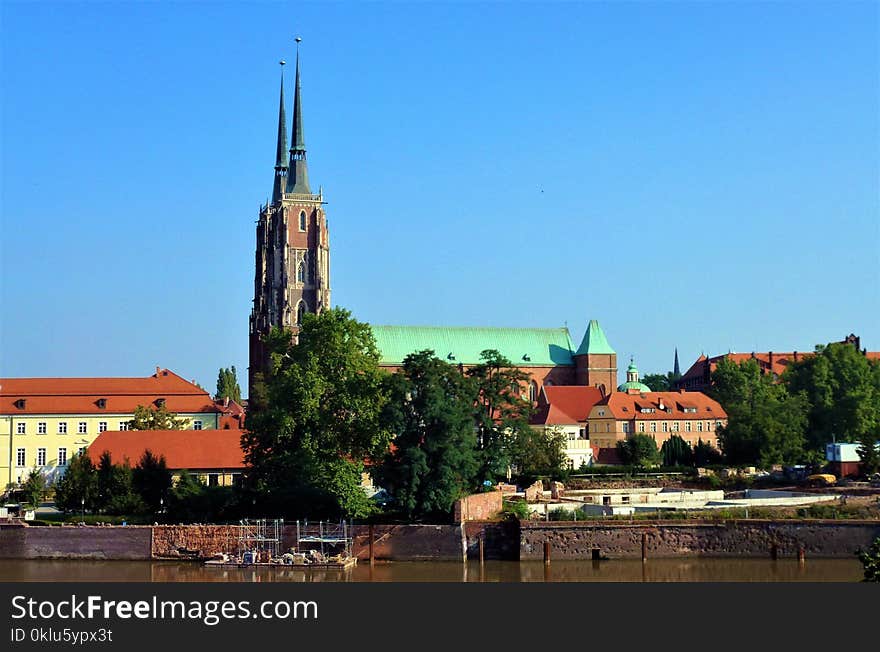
(516, 509)
(870, 559)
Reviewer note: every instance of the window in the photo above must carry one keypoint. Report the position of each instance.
(675, 426)
(62, 457)
(624, 500)
(41, 428)
(699, 426)
(102, 426)
(626, 427)
(301, 272)
(41, 457)
(583, 433)
(300, 312)
(571, 436)
(123, 425)
(533, 391)
(642, 426)
(607, 427)
(653, 426)
(601, 413)
(62, 427)
(687, 426)
(19, 457)
(81, 450)
(665, 427)
(213, 479)
(21, 428)
(302, 220)
(82, 428)
(197, 424)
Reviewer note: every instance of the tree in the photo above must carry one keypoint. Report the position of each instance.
(705, 454)
(870, 559)
(501, 413)
(869, 453)
(227, 385)
(676, 452)
(79, 483)
(116, 494)
(540, 453)
(34, 488)
(146, 418)
(151, 479)
(638, 450)
(842, 388)
(766, 423)
(434, 458)
(658, 382)
(315, 418)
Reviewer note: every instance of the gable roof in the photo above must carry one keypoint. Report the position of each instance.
(82, 395)
(566, 404)
(524, 347)
(629, 406)
(182, 449)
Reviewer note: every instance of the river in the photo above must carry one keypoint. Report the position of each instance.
(654, 570)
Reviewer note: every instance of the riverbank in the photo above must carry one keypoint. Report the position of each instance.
(498, 540)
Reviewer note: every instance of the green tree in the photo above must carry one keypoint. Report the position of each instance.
(501, 413)
(227, 385)
(842, 387)
(658, 382)
(434, 458)
(34, 488)
(79, 483)
(705, 454)
(149, 418)
(315, 418)
(638, 450)
(539, 453)
(870, 559)
(151, 479)
(676, 452)
(766, 423)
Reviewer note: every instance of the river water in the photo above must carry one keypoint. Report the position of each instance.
(654, 570)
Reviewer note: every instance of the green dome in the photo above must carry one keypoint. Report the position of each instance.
(633, 384)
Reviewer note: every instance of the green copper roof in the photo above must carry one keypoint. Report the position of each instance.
(538, 347)
(594, 340)
(633, 384)
(297, 141)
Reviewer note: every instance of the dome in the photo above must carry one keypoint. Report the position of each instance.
(632, 380)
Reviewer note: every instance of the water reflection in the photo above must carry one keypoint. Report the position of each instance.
(654, 570)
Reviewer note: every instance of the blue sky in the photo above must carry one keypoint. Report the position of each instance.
(694, 175)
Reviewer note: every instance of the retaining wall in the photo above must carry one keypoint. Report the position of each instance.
(76, 542)
(409, 542)
(726, 539)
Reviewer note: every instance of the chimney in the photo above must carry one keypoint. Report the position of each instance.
(158, 371)
(770, 356)
(226, 402)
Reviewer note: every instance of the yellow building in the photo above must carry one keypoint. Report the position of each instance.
(46, 421)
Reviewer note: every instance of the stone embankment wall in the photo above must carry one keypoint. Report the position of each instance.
(409, 542)
(75, 542)
(500, 540)
(726, 539)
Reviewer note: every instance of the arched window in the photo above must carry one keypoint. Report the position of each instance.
(302, 220)
(301, 272)
(533, 391)
(301, 310)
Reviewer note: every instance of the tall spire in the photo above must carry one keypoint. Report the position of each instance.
(676, 370)
(298, 179)
(281, 149)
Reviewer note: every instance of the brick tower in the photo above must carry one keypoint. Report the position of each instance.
(595, 361)
(292, 274)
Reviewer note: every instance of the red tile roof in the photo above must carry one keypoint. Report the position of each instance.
(566, 404)
(627, 407)
(201, 450)
(82, 395)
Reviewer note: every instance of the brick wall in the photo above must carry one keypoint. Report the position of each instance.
(409, 542)
(75, 542)
(477, 507)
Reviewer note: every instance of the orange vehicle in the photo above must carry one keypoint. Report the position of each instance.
(822, 480)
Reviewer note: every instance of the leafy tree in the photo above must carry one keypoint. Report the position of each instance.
(227, 385)
(868, 452)
(148, 418)
(434, 458)
(315, 418)
(843, 390)
(501, 413)
(34, 488)
(191, 501)
(638, 450)
(151, 480)
(658, 382)
(676, 452)
(870, 559)
(766, 423)
(79, 482)
(114, 481)
(705, 454)
(540, 453)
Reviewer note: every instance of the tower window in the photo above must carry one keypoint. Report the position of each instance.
(302, 220)
(533, 391)
(301, 272)
(300, 312)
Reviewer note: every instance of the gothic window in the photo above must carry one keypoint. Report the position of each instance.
(301, 310)
(302, 220)
(533, 391)
(301, 272)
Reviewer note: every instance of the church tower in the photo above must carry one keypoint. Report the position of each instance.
(292, 274)
(595, 361)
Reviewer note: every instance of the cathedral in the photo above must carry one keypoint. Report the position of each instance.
(292, 271)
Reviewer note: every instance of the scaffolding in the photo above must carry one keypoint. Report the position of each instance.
(324, 534)
(261, 536)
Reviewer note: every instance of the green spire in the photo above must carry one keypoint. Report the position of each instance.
(594, 341)
(298, 177)
(281, 154)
